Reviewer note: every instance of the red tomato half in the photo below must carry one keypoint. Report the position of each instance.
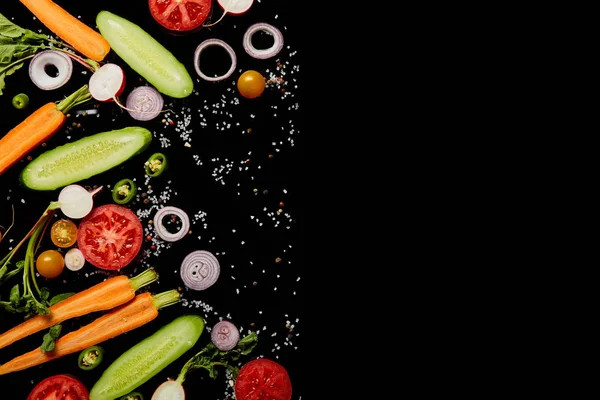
(263, 379)
(110, 236)
(180, 15)
(62, 387)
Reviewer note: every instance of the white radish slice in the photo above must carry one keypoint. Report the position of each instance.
(235, 7)
(75, 201)
(74, 259)
(41, 62)
(107, 83)
(169, 390)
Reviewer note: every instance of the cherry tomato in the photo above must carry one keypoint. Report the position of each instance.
(50, 264)
(251, 84)
(110, 236)
(63, 233)
(59, 387)
(263, 379)
(180, 15)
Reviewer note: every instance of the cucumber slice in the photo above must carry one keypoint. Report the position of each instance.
(147, 358)
(84, 158)
(145, 55)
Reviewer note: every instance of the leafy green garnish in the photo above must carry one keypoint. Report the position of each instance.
(50, 337)
(210, 357)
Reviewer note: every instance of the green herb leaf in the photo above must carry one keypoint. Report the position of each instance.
(15, 295)
(44, 294)
(9, 29)
(50, 337)
(59, 297)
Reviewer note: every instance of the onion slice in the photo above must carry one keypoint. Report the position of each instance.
(144, 103)
(224, 335)
(74, 259)
(200, 270)
(162, 231)
(38, 69)
(214, 42)
(263, 53)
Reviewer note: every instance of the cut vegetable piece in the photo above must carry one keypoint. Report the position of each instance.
(155, 165)
(214, 42)
(50, 69)
(20, 101)
(124, 191)
(225, 335)
(180, 16)
(144, 103)
(235, 7)
(74, 259)
(251, 84)
(163, 232)
(63, 233)
(147, 358)
(169, 390)
(84, 158)
(59, 387)
(262, 379)
(107, 83)
(76, 201)
(145, 55)
(200, 270)
(263, 53)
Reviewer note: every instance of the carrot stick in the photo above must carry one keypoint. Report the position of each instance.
(83, 38)
(102, 296)
(137, 312)
(37, 128)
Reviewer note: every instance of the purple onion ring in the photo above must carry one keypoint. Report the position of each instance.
(224, 335)
(160, 229)
(38, 74)
(214, 42)
(263, 53)
(200, 270)
(144, 103)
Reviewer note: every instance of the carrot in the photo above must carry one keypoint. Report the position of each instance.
(102, 296)
(131, 315)
(37, 128)
(79, 35)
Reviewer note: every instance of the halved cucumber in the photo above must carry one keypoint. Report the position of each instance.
(147, 358)
(84, 158)
(145, 55)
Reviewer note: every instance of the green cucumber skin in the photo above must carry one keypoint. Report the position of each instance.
(145, 55)
(147, 358)
(84, 158)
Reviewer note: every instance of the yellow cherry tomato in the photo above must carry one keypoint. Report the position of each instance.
(251, 84)
(63, 233)
(50, 264)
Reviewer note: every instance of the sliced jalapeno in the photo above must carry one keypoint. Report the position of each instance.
(90, 357)
(124, 191)
(155, 165)
(133, 396)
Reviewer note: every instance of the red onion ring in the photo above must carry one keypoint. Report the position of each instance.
(264, 53)
(162, 231)
(214, 42)
(144, 103)
(224, 335)
(200, 270)
(38, 74)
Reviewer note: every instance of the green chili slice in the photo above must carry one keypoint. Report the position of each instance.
(90, 357)
(124, 191)
(133, 396)
(155, 165)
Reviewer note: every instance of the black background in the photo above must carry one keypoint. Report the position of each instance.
(244, 160)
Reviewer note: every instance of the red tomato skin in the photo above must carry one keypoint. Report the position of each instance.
(102, 228)
(60, 387)
(263, 379)
(187, 16)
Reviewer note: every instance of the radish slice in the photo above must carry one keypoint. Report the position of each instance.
(235, 7)
(43, 62)
(162, 231)
(169, 390)
(214, 42)
(224, 335)
(144, 103)
(263, 53)
(107, 83)
(76, 201)
(200, 270)
(74, 259)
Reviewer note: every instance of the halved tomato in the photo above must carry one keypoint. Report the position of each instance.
(263, 379)
(110, 236)
(180, 15)
(62, 387)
